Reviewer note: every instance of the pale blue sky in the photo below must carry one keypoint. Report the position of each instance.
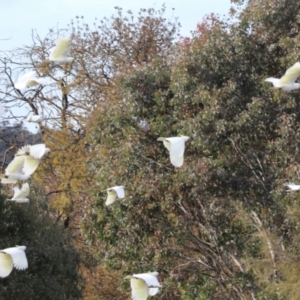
(19, 17)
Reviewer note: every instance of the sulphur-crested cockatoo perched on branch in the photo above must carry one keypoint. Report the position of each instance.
(176, 146)
(59, 53)
(34, 119)
(113, 192)
(292, 186)
(287, 81)
(21, 194)
(30, 79)
(143, 285)
(12, 257)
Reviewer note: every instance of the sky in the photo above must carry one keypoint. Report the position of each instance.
(18, 18)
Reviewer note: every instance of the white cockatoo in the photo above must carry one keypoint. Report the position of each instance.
(21, 194)
(292, 186)
(176, 146)
(34, 119)
(287, 81)
(32, 155)
(30, 79)
(12, 257)
(113, 192)
(14, 171)
(25, 162)
(143, 285)
(59, 53)
(37, 151)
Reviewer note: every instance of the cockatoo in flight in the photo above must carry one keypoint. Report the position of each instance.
(292, 186)
(12, 257)
(113, 192)
(21, 194)
(30, 79)
(59, 53)
(32, 155)
(143, 285)
(287, 81)
(14, 171)
(26, 161)
(176, 146)
(34, 119)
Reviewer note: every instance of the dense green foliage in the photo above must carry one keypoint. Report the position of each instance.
(222, 224)
(53, 261)
(101, 52)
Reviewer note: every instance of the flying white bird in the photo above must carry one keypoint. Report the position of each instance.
(292, 186)
(34, 119)
(287, 81)
(30, 79)
(176, 146)
(113, 192)
(59, 53)
(14, 171)
(12, 257)
(37, 151)
(143, 285)
(32, 155)
(26, 161)
(21, 194)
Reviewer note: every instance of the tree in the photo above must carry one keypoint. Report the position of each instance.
(222, 224)
(101, 54)
(53, 261)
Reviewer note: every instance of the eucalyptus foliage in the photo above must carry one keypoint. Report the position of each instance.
(222, 226)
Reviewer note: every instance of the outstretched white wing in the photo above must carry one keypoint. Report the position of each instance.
(119, 190)
(37, 151)
(167, 144)
(291, 74)
(26, 80)
(18, 257)
(111, 196)
(139, 289)
(153, 291)
(30, 79)
(143, 285)
(60, 51)
(113, 192)
(21, 193)
(25, 150)
(292, 186)
(176, 146)
(30, 165)
(151, 280)
(15, 166)
(6, 264)
(34, 119)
